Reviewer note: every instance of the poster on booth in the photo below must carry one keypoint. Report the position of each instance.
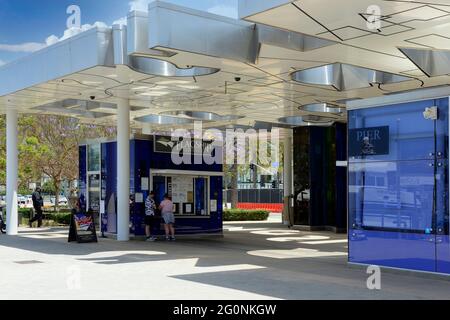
(82, 229)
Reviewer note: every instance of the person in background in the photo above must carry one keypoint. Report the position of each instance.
(166, 208)
(150, 216)
(38, 203)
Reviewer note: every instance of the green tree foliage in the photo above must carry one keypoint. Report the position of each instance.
(48, 145)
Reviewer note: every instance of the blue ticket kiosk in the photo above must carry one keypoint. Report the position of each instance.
(195, 189)
(398, 149)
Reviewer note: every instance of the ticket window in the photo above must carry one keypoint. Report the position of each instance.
(189, 194)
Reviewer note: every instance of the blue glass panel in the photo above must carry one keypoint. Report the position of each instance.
(393, 249)
(443, 253)
(392, 195)
(200, 197)
(398, 203)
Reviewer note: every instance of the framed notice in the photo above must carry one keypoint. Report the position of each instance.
(139, 197)
(144, 184)
(187, 208)
(214, 205)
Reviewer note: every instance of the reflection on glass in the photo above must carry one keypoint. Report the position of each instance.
(94, 157)
(392, 195)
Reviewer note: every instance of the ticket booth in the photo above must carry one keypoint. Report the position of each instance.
(195, 189)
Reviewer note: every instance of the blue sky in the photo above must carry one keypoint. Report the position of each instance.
(26, 24)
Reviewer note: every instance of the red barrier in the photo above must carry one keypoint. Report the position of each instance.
(272, 207)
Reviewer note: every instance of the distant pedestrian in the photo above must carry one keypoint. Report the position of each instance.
(150, 216)
(166, 208)
(38, 203)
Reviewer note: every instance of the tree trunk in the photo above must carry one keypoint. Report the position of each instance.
(57, 185)
(255, 176)
(234, 186)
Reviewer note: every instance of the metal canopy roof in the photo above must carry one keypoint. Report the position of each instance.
(178, 59)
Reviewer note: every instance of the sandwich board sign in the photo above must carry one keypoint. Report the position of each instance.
(82, 228)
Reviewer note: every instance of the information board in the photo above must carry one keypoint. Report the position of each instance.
(182, 187)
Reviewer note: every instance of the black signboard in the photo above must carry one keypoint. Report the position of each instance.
(368, 141)
(82, 228)
(165, 144)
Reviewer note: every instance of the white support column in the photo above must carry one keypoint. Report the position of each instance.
(11, 172)
(288, 170)
(123, 170)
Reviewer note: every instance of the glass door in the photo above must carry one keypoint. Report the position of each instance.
(93, 201)
(94, 182)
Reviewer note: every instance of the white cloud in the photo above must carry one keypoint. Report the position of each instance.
(23, 47)
(2, 62)
(122, 21)
(140, 5)
(68, 33)
(30, 47)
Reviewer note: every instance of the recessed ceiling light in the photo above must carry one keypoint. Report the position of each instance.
(140, 88)
(91, 82)
(154, 93)
(174, 82)
(191, 87)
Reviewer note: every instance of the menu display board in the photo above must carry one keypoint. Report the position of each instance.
(82, 228)
(182, 189)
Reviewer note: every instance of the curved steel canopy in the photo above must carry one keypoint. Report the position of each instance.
(163, 120)
(323, 107)
(306, 121)
(201, 115)
(345, 77)
(161, 68)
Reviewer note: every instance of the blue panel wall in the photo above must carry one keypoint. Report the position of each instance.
(82, 176)
(140, 168)
(398, 202)
(109, 186)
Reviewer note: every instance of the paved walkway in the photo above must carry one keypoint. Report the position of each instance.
(253, 261)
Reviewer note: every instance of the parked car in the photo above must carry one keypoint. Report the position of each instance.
(48, 202)
(62, 201)
(21, 201)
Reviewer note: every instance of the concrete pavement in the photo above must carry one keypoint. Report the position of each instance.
(252, 261)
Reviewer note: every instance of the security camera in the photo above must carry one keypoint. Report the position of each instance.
(237, 79)
(92, 97)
